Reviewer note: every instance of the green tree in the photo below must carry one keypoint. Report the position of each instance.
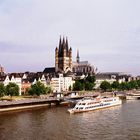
(105, 86)
(89, 86)
(91, 79)
(48, 89)
(124, 86)
(89, 82)
(133, 84)
(115, 85)
(37, 89)
(138, 83)
(2, 90)
(12, 89)
(78, 86)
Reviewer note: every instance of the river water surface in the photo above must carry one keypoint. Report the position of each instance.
(55, 123)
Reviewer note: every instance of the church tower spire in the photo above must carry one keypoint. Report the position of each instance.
(77, 58)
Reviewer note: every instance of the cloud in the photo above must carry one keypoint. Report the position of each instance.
(102, 30)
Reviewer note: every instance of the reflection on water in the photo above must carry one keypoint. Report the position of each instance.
(119, 122)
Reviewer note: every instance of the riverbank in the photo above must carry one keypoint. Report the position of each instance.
(30, 103)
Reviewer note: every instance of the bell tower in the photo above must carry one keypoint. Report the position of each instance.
(63, 56)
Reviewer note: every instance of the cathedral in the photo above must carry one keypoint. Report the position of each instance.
(63, 57)
(64, 63)
(63, 60)
(83, 67)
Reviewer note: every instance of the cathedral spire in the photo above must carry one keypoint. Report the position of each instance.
(77, 58)
(63, 42)
(60, 42)
(67, 47)
(60, 46)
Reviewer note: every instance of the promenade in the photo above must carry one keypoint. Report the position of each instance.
(27, 103)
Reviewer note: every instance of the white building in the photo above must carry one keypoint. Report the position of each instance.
(111, 77)
(14, 79)
(61, 83)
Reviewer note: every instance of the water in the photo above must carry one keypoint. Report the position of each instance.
(115, 123)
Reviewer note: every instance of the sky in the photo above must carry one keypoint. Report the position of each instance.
(106, 33)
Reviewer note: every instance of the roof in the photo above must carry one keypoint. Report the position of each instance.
(49, 70)
(109, 75)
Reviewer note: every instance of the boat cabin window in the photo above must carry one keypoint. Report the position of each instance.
(82, 104)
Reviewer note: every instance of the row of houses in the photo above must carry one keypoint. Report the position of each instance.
(113, 76)
(57, 82)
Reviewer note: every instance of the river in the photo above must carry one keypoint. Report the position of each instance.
(55, 123)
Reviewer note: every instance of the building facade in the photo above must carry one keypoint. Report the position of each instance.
(13, 79)
(61, 83)
(83, 67)
(111, 77)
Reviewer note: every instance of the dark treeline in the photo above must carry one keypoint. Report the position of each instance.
(87, 83)
(106, 86)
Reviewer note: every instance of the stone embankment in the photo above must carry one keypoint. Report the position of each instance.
(29, 103)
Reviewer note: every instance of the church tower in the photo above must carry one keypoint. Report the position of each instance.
(63, 56)
(77, 58)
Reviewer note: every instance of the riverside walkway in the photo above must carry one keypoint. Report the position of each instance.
(44, 100)
(29, 101)
(26, 103)
(6, 106)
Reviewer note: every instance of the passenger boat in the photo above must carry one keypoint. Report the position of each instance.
(133, 96)
(89, 104)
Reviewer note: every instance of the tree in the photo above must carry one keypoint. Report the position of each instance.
(89, 86)
(115, 85)
(37, 89)
(133, 84)
(2, 90)
(78, 86)
(105, 86)
(91, 79)
(138, 83)
(48, 89)
(124, 86)
(89, 82)
(12, 89)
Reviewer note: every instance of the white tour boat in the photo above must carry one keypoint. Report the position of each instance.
(89, 104)
(133, 96)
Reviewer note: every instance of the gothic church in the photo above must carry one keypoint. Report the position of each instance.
(63, 57)
(64, 63)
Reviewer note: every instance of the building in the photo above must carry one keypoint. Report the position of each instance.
(64, 63)
(111, 77)
(61, 83)
(13, 78)
(2, 72)
(63, 57)
(83, 67)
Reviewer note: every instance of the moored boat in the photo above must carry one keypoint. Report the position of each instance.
(133, 96)
(89, 104)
